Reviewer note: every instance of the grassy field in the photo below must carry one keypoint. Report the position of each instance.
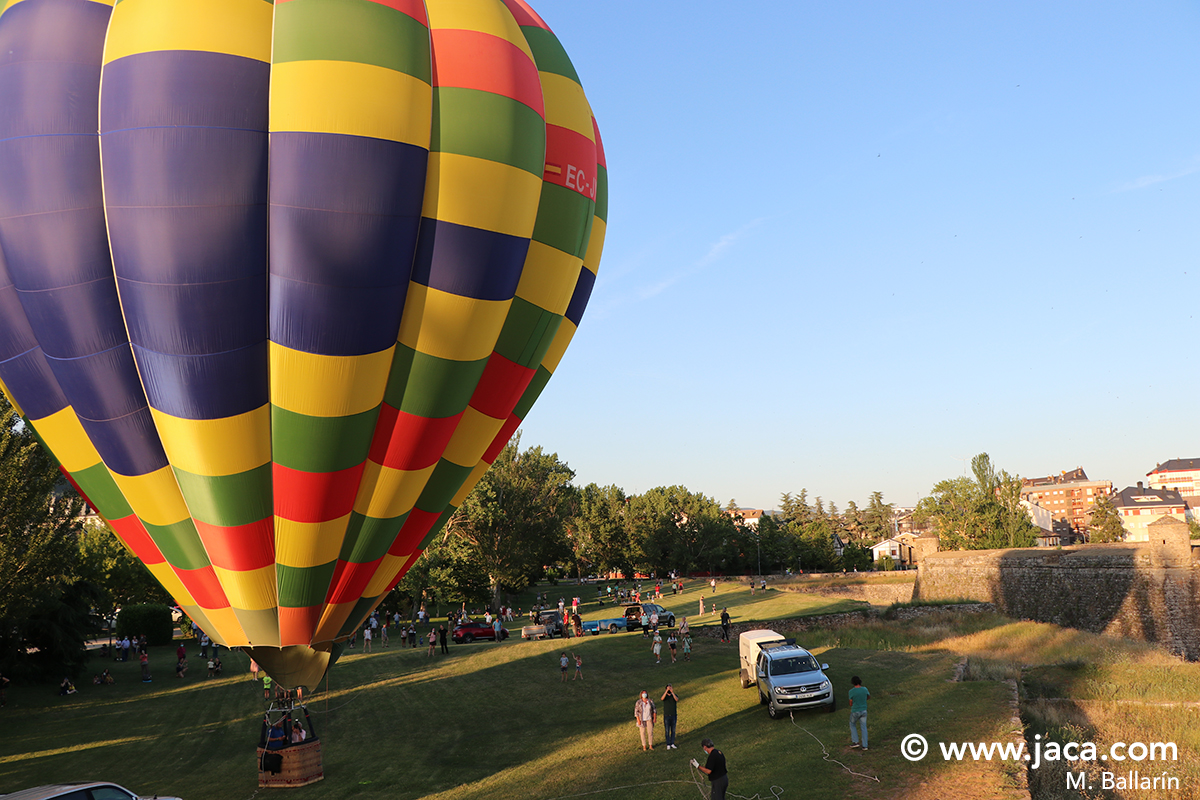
(495, 721)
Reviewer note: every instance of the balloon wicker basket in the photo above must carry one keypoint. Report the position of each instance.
(301, 766)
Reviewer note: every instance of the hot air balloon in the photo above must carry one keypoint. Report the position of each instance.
(278, 281)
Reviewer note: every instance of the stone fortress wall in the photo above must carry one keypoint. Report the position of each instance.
(1148, 591)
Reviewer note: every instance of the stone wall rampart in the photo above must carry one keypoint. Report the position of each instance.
(1145, 591)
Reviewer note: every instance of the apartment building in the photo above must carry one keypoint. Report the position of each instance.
(1069, 497)
(1180, 474)
(1139, 507)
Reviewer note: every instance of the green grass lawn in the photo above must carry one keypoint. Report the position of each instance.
(494, 721)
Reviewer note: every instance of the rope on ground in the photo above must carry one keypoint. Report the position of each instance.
(697, 780)
(616, 789)
(825, 753)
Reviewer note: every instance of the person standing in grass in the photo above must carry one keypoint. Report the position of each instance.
(383, 632)
(366, 638)
(253, 670)
(442, 638)
(672, 644)
(578, 666)
(432, 640)
(858, 711)
(725, 625)
(657, 647)
(644, 716)
(562, 665)
(715, 769)
(669, 699)
(267, 686)
(687, 647)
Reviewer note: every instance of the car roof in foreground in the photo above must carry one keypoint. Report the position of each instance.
(52, 790)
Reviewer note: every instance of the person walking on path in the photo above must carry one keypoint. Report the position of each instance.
(644, 716)
(725, 625)
(669, 699)
(858, 711)
(715, 769)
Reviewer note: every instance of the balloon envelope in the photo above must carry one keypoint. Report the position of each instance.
(278, 317)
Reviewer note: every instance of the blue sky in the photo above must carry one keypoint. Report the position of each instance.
(852, 245)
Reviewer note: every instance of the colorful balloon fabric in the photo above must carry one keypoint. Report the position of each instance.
(279, 280)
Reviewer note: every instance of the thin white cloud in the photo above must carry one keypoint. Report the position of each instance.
(714, 254)
(1151, 180)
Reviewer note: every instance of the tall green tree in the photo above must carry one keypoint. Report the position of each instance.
(44, 604)
(515, 518)
(120, 577)
(601, 528)
(877, 519)
(978, 513)
(1104, 523)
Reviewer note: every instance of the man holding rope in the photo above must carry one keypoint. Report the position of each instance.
(714, 768)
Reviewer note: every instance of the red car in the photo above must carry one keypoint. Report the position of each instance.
(470, 631)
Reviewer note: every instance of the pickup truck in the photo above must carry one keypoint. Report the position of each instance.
(548, 625)
(633, 616)
(611, 625)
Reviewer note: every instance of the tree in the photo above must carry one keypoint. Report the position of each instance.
(1104, 523)
(601, 529)
(877, 519)
(979, 513)
(120, 577)
(515, 518)
(672, 528)
(44, 605)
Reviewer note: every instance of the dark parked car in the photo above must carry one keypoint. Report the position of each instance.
(633, 616)
(470, 631)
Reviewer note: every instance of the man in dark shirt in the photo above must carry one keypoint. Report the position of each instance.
(442, 638)
(714, 768)
(725, 625)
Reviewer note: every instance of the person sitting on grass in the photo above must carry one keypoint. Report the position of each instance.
(181, 668)
(216, 666)
(66, 687)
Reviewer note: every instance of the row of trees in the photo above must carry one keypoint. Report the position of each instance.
(525, 520)
(58, 573)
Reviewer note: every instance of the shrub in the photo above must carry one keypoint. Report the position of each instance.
(151, 619)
